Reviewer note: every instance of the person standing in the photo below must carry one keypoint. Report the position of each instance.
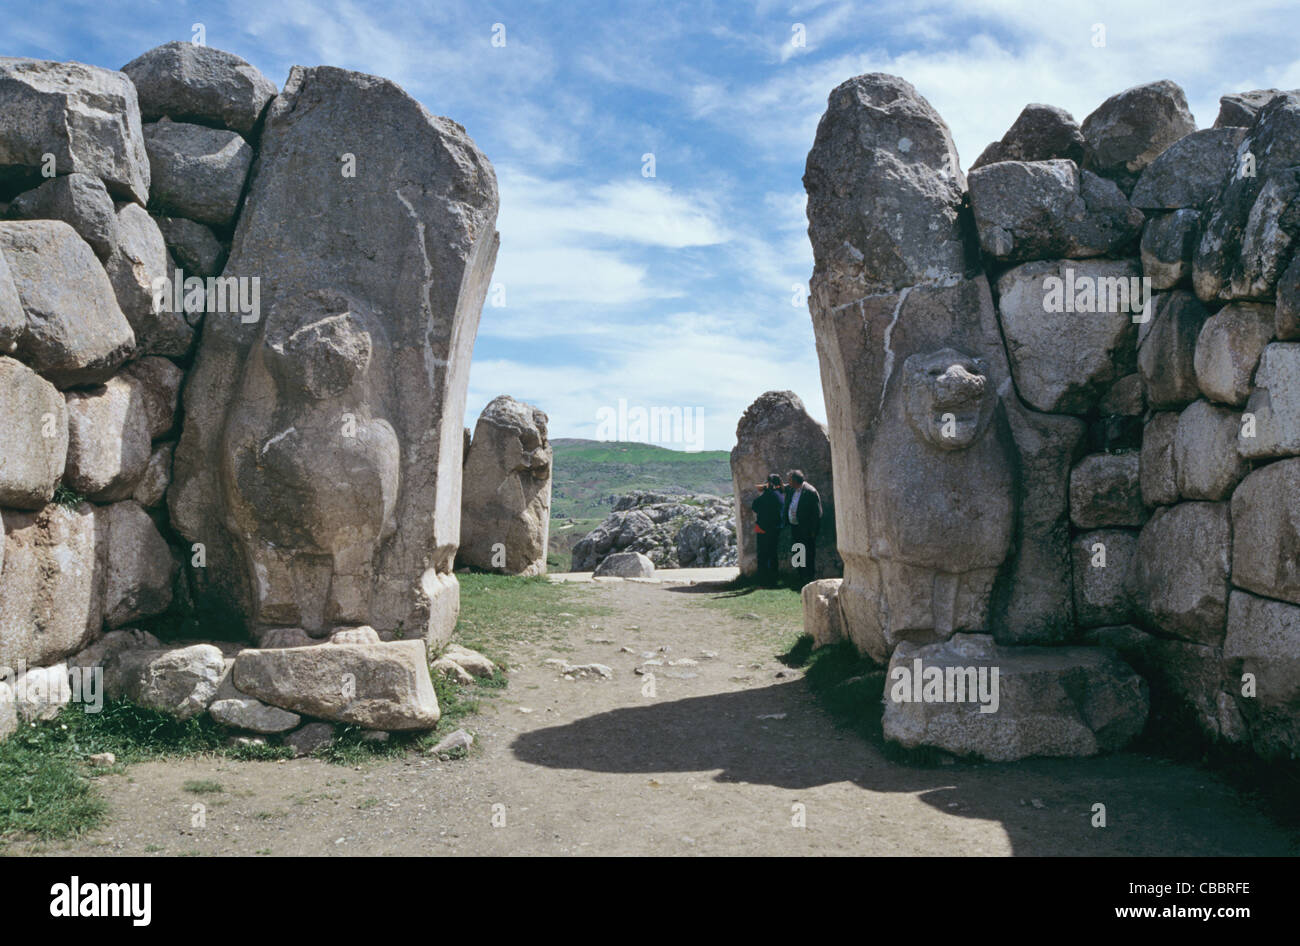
(769, 510)
(803, 510)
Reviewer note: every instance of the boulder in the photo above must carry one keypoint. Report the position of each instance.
(1105, 491)
(1266, 531)
(376, 686)
(106, 649)
(506, 500)
(193, 83)
(138, 260)
(884, 190)
(33, 438)
(1050, 701)
(74, 333)
(673, 530)
(42, 692)
(253, 715)
(774, 435)
(1247, 237)
(1263, 639)
(1274, 405)
(51, 594)
(310, 739)
(1206, 462)
(8, 711)
(197, 172)
(354, 635)
(181, 682)
(1103, 565)
(1157, 471)
(1063, 360)
(1167, 350)
(1190, 171)
(320, 458)
(821, 612)
(447, 668)
(79, 200)
(1168, 242)
(1286, 314)
(1240, 109)
(13, 320)
(108, 439)
(1039, 133)
(141, 566)
(159, 390)
(195, 248)
(1181, 578)
(1228, 349)
(1192, 674)
(625, 565)
(1127, 397)
(472, 661)
(152, 487)
(1049, 209)
(1129, 130)
(87, 117)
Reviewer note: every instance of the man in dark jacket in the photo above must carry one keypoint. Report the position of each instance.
(803, 510)
(769, 508)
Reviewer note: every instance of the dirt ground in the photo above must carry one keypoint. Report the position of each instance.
(727, 757)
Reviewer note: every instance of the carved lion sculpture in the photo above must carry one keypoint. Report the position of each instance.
(940, 503)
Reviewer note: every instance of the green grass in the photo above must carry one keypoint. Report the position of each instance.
(202, 787)
(773, 616)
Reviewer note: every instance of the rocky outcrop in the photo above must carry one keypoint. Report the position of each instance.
(777, 435)
(673, 531)
(320, 457)
(505, 515)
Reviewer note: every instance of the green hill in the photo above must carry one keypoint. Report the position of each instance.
(588, 474)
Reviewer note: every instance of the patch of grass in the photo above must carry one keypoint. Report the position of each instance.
(44, 792)
(773, 616)
(67, 496)
(203, 787)
(497, 610)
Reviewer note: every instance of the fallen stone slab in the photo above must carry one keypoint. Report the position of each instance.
(376, 686)
(253, 715)
(1047, 701)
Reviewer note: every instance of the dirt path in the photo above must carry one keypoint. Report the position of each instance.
(715, 763)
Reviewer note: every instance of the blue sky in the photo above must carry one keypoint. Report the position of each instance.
(682, 290)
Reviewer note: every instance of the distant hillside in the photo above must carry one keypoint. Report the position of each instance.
(588, 474)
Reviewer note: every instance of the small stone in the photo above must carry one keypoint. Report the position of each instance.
(459, 739)
(102, 759)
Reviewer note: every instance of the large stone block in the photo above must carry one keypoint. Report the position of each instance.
(1228, 350)
(1039, 133)
(79, 200)
(822, 619)
(1168, 241)
(185, 82)
(1206, 462)
(108, 439)
(774, 435)
(197, 172)
(325, 482)
(1050, 701)
(1157, 471)
(138, 260)
(1103, 566)
(1190, 171)
(884, 192)
(377, 686)
(141, 566)
(1264, 640)
(1266, 531)
(1181, 578)
(1129, 130)
(1049, 209)
(33, 438)
(51, 593)
(182, 682)
(1271, 422)
(1105, 490)
(87, 117)
(506, 502)
(1070, 329)
(1167, 350)
(74, 333)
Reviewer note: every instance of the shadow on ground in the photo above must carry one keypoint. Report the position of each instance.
(1153, 807)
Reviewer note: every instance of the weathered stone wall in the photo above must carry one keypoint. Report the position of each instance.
(1029, 451)
(235, 337)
